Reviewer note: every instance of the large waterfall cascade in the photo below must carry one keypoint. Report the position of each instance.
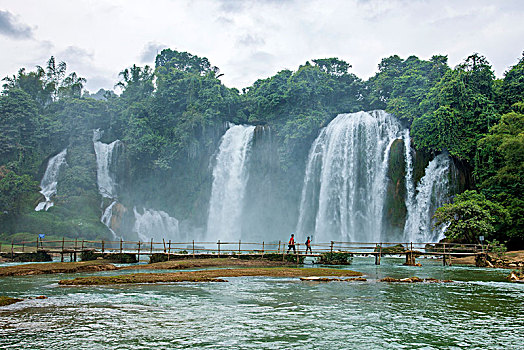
(344, 185)
(50, 180)
(230, 176)
(431, 193)
(156, 225)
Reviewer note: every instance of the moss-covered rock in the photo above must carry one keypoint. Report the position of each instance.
(39, 256)
(395, 207)
(292, 258)
(394, 249)
(336, 258)
(124, 258)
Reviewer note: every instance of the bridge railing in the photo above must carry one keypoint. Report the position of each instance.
(239, 247)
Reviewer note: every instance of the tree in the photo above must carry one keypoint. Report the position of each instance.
(512, 89)
(499, 170)
(72, 86)
(400, 85)
(459, 110)
(333, 66)
(470, 216)
(185, 62)
(13, 191)
(18, 124)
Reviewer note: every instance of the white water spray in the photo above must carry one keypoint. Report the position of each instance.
(156, 225)
(230, 176)
(50, 180)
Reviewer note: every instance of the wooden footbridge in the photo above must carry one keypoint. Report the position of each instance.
(183, 250)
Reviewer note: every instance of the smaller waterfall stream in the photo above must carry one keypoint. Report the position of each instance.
(106, 218)
(104, 157)
(230, 176)
(432, 192)
(105, 154)
(50, 180)
(410, 189)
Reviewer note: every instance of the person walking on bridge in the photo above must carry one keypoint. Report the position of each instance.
(308, 245)
(291, 244)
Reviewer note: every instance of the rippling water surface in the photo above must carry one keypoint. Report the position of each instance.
(480, 310)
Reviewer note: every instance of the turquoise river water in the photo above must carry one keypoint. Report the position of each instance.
(480, 310)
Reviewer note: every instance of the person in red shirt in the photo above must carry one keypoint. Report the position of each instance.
(308, 245)
(292, 244)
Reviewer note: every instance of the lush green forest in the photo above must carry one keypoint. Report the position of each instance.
(171, 117)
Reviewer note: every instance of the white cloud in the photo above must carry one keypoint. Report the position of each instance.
(256, 39)
(150, 50)
(11, 27)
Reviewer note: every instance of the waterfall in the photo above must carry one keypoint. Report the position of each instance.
(344, 186)
(410, 189)
(106, 218)
(105, 178)
(230, 177)
(156, 225)
(104, 158)
(50, 180)
(432, 192)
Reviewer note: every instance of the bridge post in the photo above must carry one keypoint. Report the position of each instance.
(138, 251)
(481, 260)
(444, 255)
(331, 246)
(151, 250)
(278, 247)
(164, 242)
(193, 249)
(410, 258)
(218, 243)
(262, 249)
(168, 250)
(103, 247)
(238, 247)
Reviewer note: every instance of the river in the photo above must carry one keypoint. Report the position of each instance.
(479, 310)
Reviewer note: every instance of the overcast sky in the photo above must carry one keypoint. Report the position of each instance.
(249, 40)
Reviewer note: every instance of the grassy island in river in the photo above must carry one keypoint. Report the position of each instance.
(207, 275)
